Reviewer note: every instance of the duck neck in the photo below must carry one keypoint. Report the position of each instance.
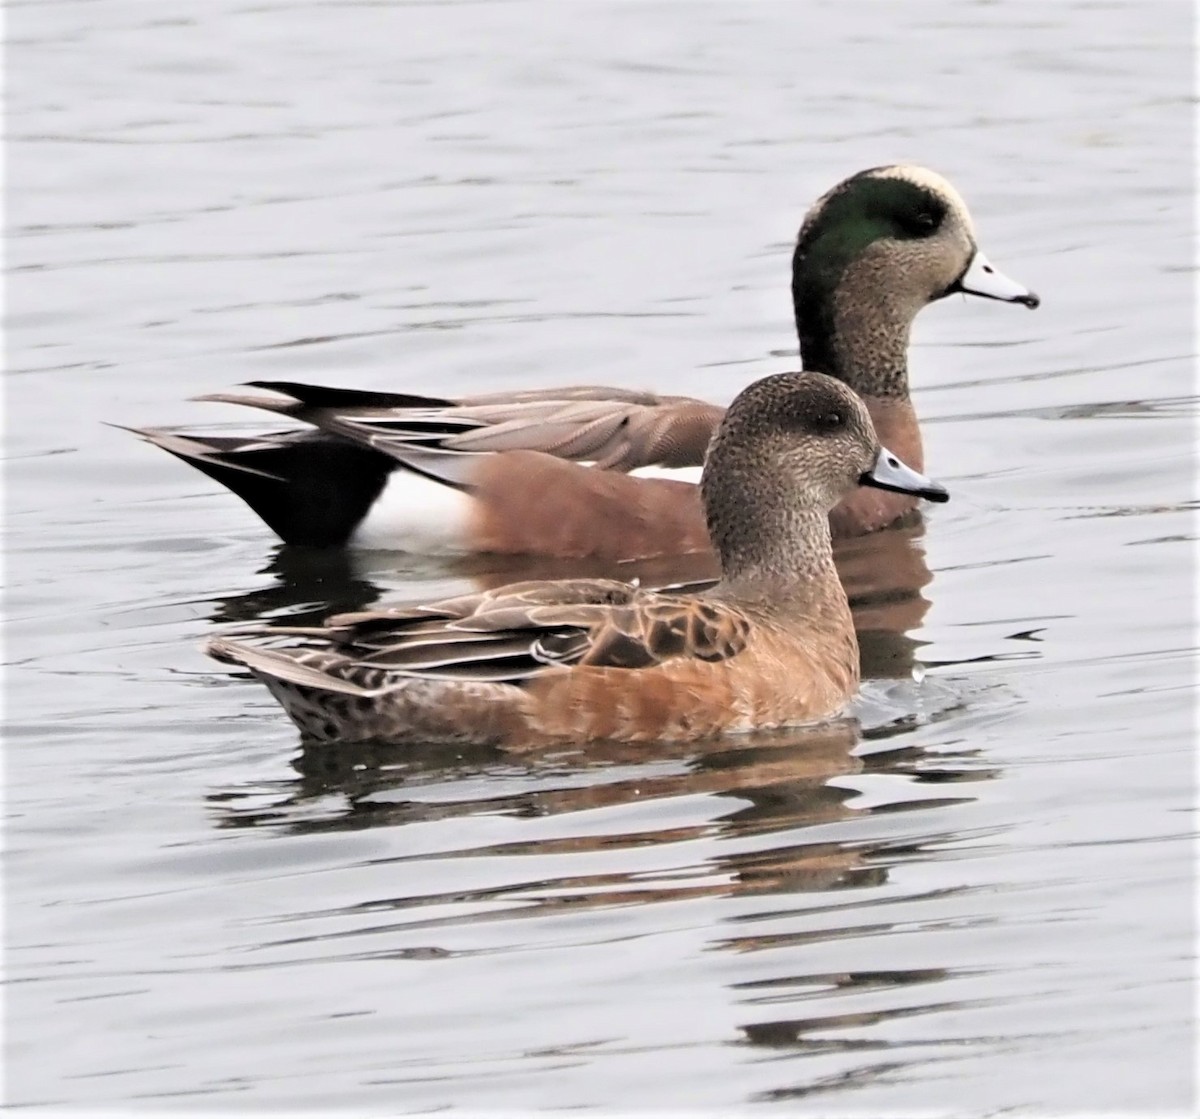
(855, 327)
(773, 553)
(852, 326)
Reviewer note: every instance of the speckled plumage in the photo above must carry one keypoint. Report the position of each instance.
(772, 643)
(547, 472)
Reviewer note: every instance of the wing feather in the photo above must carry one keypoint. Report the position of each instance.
(517, 633)
(613, 428)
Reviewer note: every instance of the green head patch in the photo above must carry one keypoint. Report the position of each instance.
(857, 213)
(871, 206)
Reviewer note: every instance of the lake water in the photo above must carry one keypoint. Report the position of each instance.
(975, 897)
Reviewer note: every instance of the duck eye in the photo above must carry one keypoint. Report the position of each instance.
(830, 421)
(919, 223)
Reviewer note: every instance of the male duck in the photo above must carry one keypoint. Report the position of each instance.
(501, 473)
(771, 644)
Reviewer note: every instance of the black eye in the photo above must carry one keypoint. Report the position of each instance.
(922, 222)
(829, 421)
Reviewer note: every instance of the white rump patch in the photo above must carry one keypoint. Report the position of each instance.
(674, 473)
(415, 514)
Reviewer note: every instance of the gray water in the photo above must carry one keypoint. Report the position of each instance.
(973, 897)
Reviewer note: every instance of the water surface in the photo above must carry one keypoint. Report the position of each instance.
(972, 896)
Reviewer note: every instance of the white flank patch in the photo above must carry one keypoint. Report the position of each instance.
(415, 514)
(675, 473)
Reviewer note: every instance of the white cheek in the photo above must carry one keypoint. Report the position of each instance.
(414, 514)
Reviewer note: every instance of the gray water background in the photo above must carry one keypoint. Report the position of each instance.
(979, 900)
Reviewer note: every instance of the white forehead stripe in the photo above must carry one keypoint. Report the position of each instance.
(931, 181)
(919, 176)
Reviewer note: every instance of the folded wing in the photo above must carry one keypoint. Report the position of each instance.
(512, 635)
(613, 428)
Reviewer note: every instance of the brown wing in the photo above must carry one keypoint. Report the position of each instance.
(649, 630)
(492, 636)
(519, 632)
(613, 428)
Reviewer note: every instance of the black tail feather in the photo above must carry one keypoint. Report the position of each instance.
(325, 396)
(311, 490)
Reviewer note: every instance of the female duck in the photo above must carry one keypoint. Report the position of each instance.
(771, 644)
(499, 473)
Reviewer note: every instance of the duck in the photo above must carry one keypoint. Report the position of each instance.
(597, 473)
(538, 663)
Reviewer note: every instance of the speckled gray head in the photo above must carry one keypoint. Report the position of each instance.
(789, 448)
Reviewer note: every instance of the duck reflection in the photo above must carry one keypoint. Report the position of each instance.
(857, 1031)
(774, 782)
(309, 585)
(785, 773)
(884, 574)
